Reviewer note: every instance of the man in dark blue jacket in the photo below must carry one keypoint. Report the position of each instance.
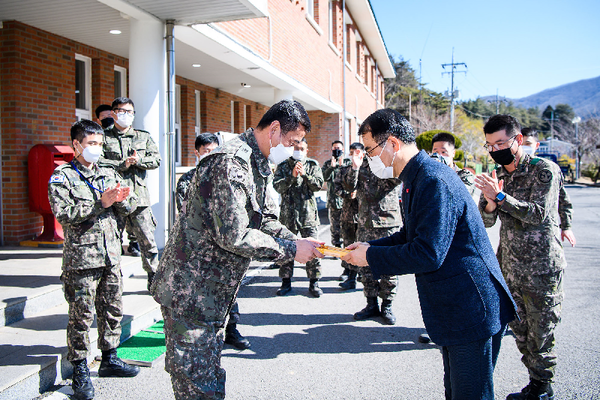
(465, 302)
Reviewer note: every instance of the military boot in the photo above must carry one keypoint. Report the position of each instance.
(134, 249)
(386, 313)
(111, 365)
(82, 383)
(344, 274)
(536, 390)
(349, 283)
(371, 310)
(235, 338)
(286, 287)
(314, 288)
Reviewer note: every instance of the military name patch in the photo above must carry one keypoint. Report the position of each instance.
(545, 176)
(57, 179)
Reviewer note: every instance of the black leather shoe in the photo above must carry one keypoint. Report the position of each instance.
(82, 383)
(112, 365)
(235, 338)
(286, 287)
(314, 288)
(535, 390)
(134, 249)
(386, 313)
(371, 310)
(348, 284)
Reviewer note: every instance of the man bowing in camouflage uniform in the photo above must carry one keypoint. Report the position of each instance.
(297, 179)
(84, 198)
(132, 152)
(227, 220)
(523, 193)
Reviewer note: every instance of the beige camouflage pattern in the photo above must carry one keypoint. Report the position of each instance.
(227, 219)
(531, 257)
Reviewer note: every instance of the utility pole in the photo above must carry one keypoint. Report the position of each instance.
(452, 71)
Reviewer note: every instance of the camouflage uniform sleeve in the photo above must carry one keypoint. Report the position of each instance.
(565, 209)
(284, 179)
(338, 188)
(468, 179)
(328, 170)
(182, 188)
(226, 196)
(489, 219)
(535, 209)
(350, 179)
(313, 176)
(66, 210)
(107, 147)
(151, 159)
(128, 205)
(271, 224)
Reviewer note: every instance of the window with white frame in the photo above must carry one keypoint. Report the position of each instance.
(83, 87)
(330, 22)
(120, 82)
(310, 8)
(197, 120)
(177, 126)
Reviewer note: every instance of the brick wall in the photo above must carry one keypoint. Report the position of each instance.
(38, 106)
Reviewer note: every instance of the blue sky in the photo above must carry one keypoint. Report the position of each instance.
(515, 47)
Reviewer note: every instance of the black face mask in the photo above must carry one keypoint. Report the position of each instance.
(337, 153)
(503, 157)
(106, 122)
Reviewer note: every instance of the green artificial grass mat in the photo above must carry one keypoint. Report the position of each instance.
(144, 347)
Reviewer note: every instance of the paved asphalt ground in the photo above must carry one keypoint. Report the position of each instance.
(306, 348)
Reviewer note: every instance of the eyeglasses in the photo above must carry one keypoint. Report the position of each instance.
(123, 111)
(499, 146)
(368, 152)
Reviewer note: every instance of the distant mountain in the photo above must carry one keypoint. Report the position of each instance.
(583, 96)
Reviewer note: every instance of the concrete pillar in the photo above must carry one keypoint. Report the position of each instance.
(147, 89)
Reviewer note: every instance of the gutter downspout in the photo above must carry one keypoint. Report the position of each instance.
(170, 38)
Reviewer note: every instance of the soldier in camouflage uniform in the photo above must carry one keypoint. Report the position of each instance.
(443, 144)
(349, 217)
(227, 220)
(204, 144)
(132, 152)
(297, 179)
(85, 198)
(524, 193)
(378, 217)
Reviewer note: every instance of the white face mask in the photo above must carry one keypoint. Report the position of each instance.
(446, 159)
(298, 155)
(528, 150)
(279, 153)
(125, 119)
(378, 167)
(91, 154)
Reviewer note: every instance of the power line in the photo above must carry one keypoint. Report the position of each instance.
(453, 66)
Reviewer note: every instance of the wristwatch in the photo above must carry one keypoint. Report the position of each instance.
(499, 197)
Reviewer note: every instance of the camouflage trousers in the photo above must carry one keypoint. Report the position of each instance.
(142, 224)
(335, 226)
(84, 289)
(539, 301)
(386, 286)
(193, 357)
(313, 267)
(349, 230)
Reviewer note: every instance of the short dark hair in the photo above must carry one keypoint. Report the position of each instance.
(444, 137)
(337, 142)
(83, 128)
(101, 108)
(386, 121)
(290, 115)
(530, 132)
(204, 139)
(121, 100)
(357, 146)
(303, 140)
(500, 122)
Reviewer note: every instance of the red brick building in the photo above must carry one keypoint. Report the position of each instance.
(233, 60)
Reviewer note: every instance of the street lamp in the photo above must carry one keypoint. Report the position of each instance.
(576, 121)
